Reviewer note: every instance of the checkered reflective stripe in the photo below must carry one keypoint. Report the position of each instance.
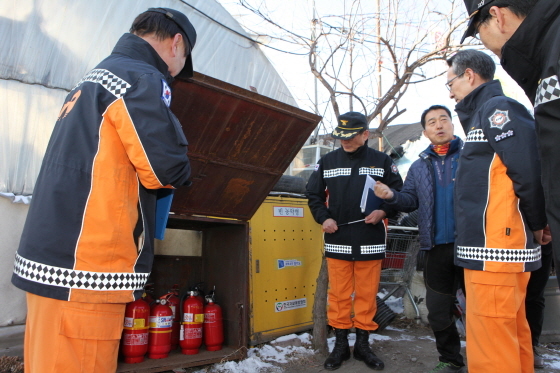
(68, 278)
(339, 249)
(372, 249)
(499, 255)
(108, 80)
(372, 171)
(337, 172)
(476, 136)
(549, 90)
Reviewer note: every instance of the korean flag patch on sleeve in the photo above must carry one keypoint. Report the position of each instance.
(166, 93)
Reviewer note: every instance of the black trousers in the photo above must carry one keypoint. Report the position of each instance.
(534, 302)
(442, 278)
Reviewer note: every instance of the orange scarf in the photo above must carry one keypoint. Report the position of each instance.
(441, 149)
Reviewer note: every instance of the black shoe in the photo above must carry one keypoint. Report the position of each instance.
(539, 361)
(340, 352)
(363, 352)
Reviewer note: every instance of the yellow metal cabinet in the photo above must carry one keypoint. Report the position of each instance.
(285, 252)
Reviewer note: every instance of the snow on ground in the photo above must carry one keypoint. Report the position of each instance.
(552, 361)
(403, 337)
(284, 349)
(261, 358)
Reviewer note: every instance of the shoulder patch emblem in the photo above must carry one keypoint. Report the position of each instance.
(499, 119)
(316, 166)
(166, 93)
(394, 168)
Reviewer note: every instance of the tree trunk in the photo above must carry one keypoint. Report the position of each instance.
(320, 311)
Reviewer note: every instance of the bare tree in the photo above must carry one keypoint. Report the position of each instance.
(356, 54)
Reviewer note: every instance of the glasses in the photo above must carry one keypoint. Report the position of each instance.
(476, 28)
(448, 84)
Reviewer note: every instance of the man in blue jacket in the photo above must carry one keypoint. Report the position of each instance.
(428, 187)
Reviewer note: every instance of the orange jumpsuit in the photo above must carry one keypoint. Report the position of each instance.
(360, 278)
(63, 336)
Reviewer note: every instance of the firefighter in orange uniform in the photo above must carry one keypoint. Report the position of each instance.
(87, 245)
(499, 214)
(354, 243)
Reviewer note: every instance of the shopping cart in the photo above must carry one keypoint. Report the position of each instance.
(400, 261)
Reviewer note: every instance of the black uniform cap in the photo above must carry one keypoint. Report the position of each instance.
(349, 125)
(189, 33)
(473, 7)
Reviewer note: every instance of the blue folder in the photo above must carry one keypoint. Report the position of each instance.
(163, 206)
(372, 203)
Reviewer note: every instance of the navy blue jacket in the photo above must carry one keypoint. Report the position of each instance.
(419, 193)
(89, 233)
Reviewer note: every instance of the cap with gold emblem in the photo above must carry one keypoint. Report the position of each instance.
(349, 125)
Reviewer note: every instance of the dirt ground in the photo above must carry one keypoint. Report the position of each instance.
(405, 347)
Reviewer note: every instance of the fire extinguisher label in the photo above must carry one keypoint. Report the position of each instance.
(188, 317)
(135, 339)
(210, 318)
(139, 324)
(189, 333)
(132, 323)
(193, 317)
(161, 321)
(193, 333)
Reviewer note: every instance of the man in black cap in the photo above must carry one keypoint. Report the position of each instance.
(525, 34)
(87, 244)
(354, 241)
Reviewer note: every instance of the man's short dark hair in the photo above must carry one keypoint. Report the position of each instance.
(477, 61)
(433, 107)
(158, 24)
(520, 8)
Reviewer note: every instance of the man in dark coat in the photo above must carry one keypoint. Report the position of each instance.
(87, 244)
(499, 214)
(525, 34)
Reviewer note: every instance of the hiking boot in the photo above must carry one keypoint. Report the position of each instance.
(340, 352)
(363, 352)
(539, 360)
(449, 368)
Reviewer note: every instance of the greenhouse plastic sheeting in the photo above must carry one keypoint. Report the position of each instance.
(47, 46)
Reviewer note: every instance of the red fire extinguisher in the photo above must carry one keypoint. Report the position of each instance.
(172, 299)
(191, 331)
(161, 322)
(213, 329)
(134, 341)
